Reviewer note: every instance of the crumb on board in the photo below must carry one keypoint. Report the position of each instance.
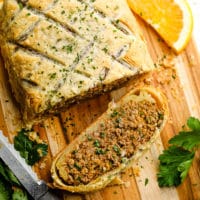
(191, 60)
(136, 171)
(166, 61)
(43, 164)
(127, 184)
(170, 120)
(174, 93)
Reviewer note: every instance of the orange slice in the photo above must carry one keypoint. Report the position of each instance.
(172, 19)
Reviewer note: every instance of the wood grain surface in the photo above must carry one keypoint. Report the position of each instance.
(179, 78)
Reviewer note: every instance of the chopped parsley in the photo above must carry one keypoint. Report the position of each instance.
(114, 113)
(96, 143)
(117, 149)
(146, 181)
(77, 166)
(52, 75)
(20, 5)
(77, 58)
(102, 134)
(68, 48)
(105, 49)
(99, 151)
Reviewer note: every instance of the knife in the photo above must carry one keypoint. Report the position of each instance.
(37, 188)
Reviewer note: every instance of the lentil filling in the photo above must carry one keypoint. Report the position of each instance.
(114, 141)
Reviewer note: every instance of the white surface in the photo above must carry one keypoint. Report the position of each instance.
(195, 6)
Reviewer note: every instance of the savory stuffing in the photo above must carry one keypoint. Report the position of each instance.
(113, 143)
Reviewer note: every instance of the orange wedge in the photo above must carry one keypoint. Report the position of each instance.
(172, 19)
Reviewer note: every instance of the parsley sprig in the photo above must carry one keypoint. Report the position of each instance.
(32, 150)
(176, 161)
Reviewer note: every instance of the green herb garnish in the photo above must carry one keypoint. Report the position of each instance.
(102, 134)
(116, 149)
(31, 150)
(99, 151)
(68, 48)
(114, 113)
(10, 187)
(96, 143)
(78, 167)
(146, 181)
(176, 161)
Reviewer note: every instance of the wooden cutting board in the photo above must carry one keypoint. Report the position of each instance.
(179, 78)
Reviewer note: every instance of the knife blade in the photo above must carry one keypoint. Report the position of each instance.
(37, 188)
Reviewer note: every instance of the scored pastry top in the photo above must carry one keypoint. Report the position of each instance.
(58, 50)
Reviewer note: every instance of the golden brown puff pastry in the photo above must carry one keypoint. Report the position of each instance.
(58, 52)
(112, 143)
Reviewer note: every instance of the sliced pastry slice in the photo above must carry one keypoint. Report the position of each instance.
(59, 52)
(112, 143)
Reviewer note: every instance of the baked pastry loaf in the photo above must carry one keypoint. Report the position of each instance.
(112, 143)
(58, 52)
